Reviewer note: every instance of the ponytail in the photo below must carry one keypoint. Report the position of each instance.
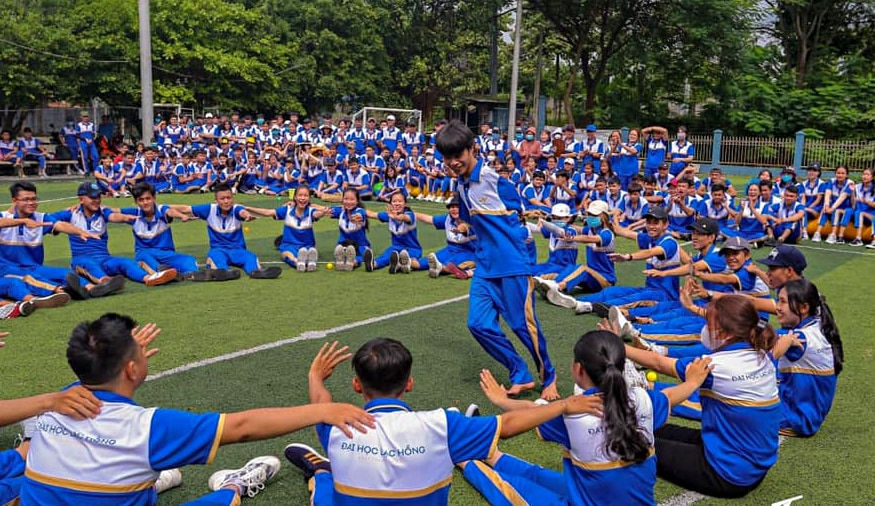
(763, 336)
(831, 333)
(603, 357)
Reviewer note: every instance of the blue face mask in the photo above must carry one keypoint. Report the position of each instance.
(786, 178)
(530, 137)
(519, 137)
(495, 137)
(593, 221)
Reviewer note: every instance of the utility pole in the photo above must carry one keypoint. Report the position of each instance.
(146, 101)
(514, 76)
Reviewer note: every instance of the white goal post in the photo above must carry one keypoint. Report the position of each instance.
(402, 116)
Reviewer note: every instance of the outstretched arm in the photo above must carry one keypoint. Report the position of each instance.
(267, 213)
(77, 402)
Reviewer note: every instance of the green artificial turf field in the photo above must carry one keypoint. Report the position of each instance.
(203, 320)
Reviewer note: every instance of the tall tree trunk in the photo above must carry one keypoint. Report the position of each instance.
(539, 67)
(566, 97)
(589, 105)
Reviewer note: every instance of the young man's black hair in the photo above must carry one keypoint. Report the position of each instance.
(98, 350)
(454, 139)
(142, 187)
(221, 187)
(383, 366)
(21, 186)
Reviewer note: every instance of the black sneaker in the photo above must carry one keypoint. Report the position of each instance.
(114, 284)
(770, 242)
(393, 262)
(225, 274)
(277, 241)
(306, 459)
(368, 259)
(75, 288)
(271, 272)
(53, 300)
(600, 309)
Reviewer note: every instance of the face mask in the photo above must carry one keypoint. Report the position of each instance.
(530, 137)
(490, 158)
(260, 122)
(429, 157)
(593, 221)
(495, 137)
(708, 340)
(681, 136)
(786, 178)
(519, 137)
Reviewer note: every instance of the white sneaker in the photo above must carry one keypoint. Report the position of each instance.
(233, 190)
(871, 245)
(404, 262)
(420, 197)
(53, 300)
(169, 478)
(634, 377)
(627, 331)
(301, 262)
(831, 239)
(249, 479)
(349, 257)
(430, 198)
(472, 411)
(805, 235)
(312, 259)
(434, 266)
(560, 299)
(439, 200)
(582, 307)
(340, 257)
(544, 285)
(815, 237)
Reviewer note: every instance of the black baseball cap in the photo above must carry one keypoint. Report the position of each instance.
(454, 201)
(735, 244)
(657, 212)
(91, 190)
(705, 225)
(786, 256)
(814, 166)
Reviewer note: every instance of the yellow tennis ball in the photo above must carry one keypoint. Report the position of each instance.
(245, 230)
(330, 266)
(651, 376)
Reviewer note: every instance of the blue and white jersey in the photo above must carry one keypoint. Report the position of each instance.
(678, 219)
(865, 194)
(633, 212)
(662, 182)
(594, 147)
(456, 241)
(7, 147)
(20, 246)
(70, 135)
(297, 229)
(29, 146)
(490, 203)
(349, 229)
(85, 131)
(615, 202)
(669, 260)
(716, 264)
(597, 257)
(680, 150)
(96, 224)
(596, 195)
(499, 146)
(751, 284)
(403, 234)
(595, 476)
(333, 178)
(532, 192)
(720, 214)
(626, 164)
(783, 211)
(174, 133)
(357, 135)
(562, 251)
(116, 457)
(749, 226)
(151, 233)
(806, 379)
(408, 458)
(201, 169)
(357, 178)
(560, 196)
(373, 137)
(837, 189)
(408, 140)
(376, 163)
(809, 190)
(585, 181)
(741, 412)
(656, 149)
(224, 230)
(180, 170)
(391, 136)
(708, 183)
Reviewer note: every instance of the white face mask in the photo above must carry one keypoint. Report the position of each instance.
(490, 158)
(681, 136)
(708, 340)
(429, 157)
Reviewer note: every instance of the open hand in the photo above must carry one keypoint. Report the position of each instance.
(77, 402)
(697, 371)
(144, 336)
(343, 416)
(493, 390)
(328, 357)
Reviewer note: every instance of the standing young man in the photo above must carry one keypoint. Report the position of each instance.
(502, 283)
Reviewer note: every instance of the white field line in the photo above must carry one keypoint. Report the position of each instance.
(305, 336)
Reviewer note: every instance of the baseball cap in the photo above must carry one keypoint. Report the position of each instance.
(591, 128)
(786, 256)
(390, 117)
(429, 151)
(330, 162)
(597, 207)
(208, 115)
(568, 161)
(704, 225)
(89, 189)
(561, 211)
(814, 166)
(657, 212)
(454, 201)
(663, 165)
(735, 243)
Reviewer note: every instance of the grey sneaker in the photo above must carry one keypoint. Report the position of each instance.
(249, 479)
(404, 262)
(434, 266)
(53, 300)
(301, 262)
(312, 258)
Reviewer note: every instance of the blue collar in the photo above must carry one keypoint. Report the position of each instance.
(386, 405)
(807, 322)
(107, 396)
(475, 172)
(592, 391)
(741, 345)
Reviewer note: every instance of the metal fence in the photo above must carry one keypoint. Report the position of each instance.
(855, 154)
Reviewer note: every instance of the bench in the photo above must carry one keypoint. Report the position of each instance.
(53, 167)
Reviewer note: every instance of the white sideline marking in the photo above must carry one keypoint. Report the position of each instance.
(833, 250)
(304, 336)
(690, 497)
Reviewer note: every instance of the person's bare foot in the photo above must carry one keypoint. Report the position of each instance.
(549, 392)
(517, 389)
